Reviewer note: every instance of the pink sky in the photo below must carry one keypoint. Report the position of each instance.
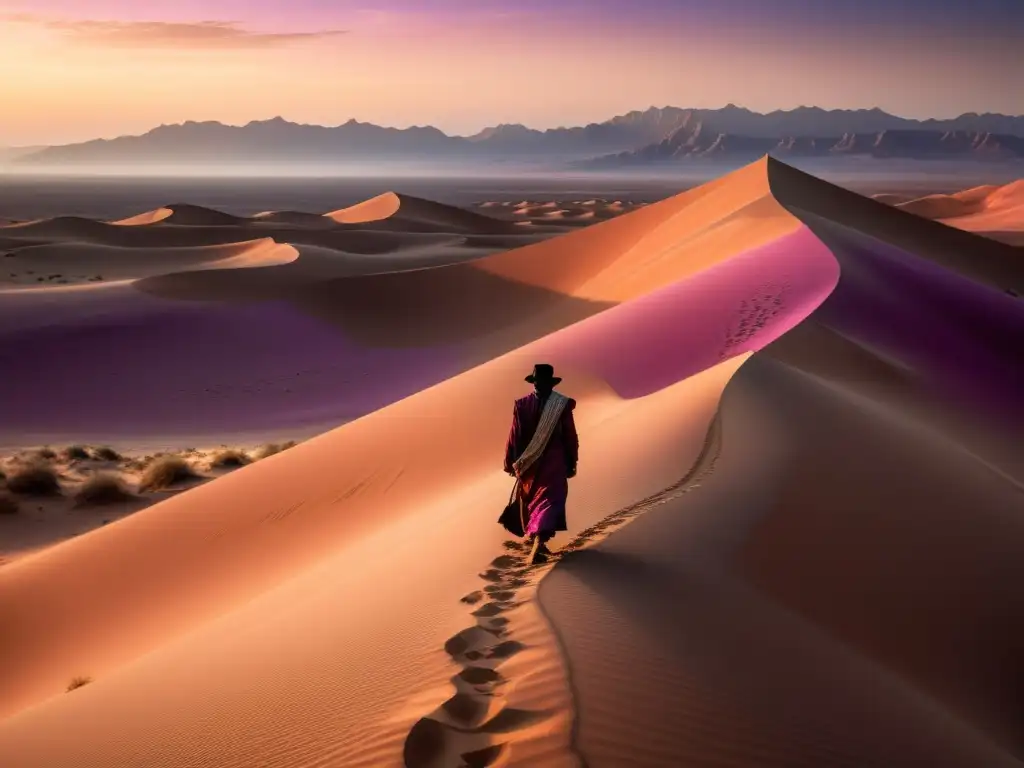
(72, 70)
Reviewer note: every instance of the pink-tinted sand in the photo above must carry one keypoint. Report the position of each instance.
(737, 306)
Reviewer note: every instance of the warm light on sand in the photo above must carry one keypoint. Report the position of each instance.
(804, 404)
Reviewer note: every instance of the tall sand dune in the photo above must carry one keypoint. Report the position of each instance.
(318, 338)
(843, 583)
(802, 401)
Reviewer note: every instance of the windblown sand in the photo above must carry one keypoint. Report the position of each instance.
(795, 532)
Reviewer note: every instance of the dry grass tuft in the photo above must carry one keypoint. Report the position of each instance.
(271, 448)
(229, 459)
(73, 452)
(105, 453)
(34, 480)
(101, 489)
(78, 682)
(266, 450)
(164, 472)
(8, 504)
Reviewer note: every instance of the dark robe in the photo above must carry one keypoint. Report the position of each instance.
(544, 485)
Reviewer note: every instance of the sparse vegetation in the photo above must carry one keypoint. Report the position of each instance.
(266, 450)
(271, 448)
(78, 682)
(34, 480)
(101, 489)
(165, 472)
(46, 453)
(8, 504)
(75, 452)
(105, 453)
(229, 459)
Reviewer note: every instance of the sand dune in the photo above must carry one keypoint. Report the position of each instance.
(148, 217)
(293, 344)
(85, 297)
(407, 213)
(562, 214)
(867, 504)
(994, 211)
(823, 573)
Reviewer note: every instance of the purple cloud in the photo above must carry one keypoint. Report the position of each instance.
(170, 34)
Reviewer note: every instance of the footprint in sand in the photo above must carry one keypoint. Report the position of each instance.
(474, 727)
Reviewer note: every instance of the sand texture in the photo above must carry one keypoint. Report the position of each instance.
(794, 537)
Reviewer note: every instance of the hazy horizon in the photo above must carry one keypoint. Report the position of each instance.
(241, 123)
(111, 196)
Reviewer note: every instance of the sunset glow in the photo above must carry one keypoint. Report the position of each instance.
(71, 71)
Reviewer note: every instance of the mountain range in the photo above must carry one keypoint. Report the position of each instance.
(652, 136)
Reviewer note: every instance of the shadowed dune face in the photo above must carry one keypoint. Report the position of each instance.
(979, 259)
(813, 577)
(860, 521)
(957, 337)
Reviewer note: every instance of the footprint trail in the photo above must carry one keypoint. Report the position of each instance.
(476, 727)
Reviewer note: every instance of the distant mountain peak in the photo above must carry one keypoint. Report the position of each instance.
(636, 136)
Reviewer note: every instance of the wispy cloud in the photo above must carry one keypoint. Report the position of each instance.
(168, 34)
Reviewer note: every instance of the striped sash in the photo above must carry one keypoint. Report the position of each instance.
(549, 419)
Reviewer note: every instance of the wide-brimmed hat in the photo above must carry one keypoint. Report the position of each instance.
(542, 372)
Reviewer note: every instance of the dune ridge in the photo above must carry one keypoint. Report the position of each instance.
(837, 432)
(316, 328)
(761, 522)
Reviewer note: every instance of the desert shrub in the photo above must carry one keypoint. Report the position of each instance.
(101, 489)
(271, 448)
(164, 472)
(229, 459)
(46, 453)
(8, 504)
(34, 480)
(73, 452)
(266, 450)
(105, 453)
(78, 682)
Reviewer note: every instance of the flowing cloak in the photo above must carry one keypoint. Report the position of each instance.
(545, 484)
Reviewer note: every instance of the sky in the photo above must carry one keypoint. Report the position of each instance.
(73, 70)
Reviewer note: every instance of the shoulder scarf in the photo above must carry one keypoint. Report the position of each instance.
(549, 419)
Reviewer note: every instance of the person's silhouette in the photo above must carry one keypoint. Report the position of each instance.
(542, 451)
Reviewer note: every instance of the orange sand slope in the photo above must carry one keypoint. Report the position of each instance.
(312, 336)
(304, 610)
(996, 212)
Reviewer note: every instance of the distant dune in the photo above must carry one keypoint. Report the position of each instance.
(411, 214)
(794, 536)
(995, 211)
